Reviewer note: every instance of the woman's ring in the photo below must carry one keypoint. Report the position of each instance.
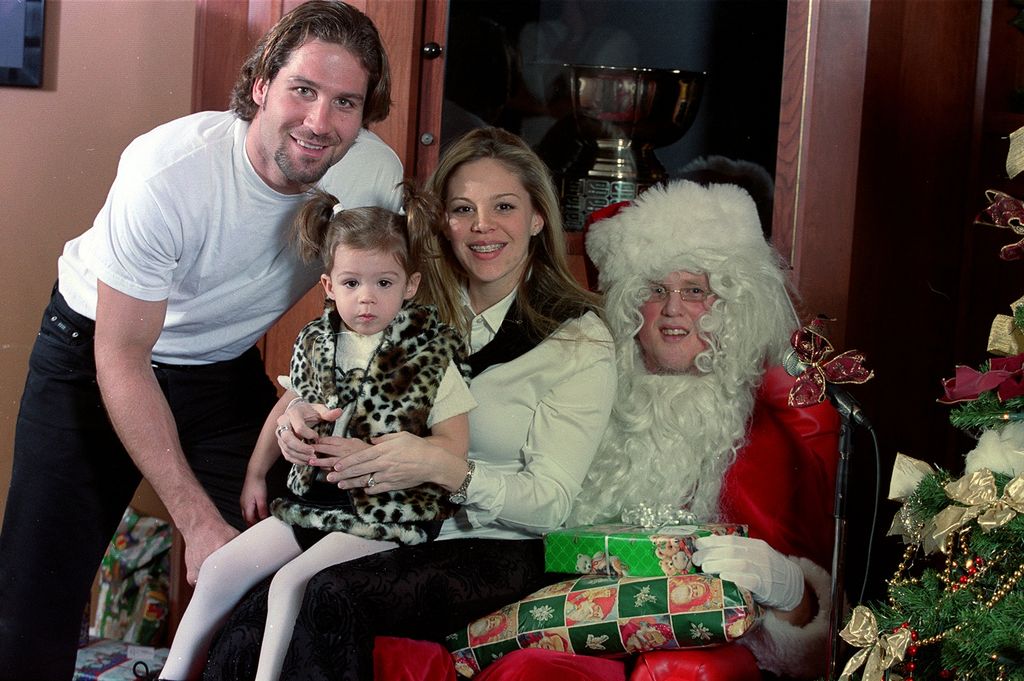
(370, 482)
(280, 429)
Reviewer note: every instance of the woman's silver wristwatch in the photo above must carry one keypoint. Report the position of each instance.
(459, 495)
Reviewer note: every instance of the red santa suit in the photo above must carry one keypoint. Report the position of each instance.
(782, 486)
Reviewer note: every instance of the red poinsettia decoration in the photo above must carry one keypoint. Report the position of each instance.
(1005, 375)
(812, 348)
(1005, 211)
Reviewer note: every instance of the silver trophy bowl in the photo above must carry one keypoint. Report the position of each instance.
(622, 115)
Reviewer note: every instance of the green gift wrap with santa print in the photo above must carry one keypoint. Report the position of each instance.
(617, 549)
(610, 616)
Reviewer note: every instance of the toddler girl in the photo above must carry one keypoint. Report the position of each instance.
(391, 365)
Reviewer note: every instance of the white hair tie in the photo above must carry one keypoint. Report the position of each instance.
(337, 209)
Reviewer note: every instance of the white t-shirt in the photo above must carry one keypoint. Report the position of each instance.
(534, 433)
(189, 221)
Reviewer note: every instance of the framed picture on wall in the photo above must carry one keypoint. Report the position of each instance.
(21, 42)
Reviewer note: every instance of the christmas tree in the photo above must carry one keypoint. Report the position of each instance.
(955, 606)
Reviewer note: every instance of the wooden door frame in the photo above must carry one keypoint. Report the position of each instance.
(817, 164)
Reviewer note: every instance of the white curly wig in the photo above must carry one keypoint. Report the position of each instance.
(671, 438)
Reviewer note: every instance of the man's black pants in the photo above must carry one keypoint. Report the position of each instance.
(72, 480)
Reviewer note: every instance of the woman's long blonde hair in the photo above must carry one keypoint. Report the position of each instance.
(548, 294)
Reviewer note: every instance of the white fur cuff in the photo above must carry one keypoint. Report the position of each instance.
(785, 649)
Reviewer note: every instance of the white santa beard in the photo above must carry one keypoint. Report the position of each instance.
(671, 443)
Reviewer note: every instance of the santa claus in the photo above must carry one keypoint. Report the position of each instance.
(698, 304)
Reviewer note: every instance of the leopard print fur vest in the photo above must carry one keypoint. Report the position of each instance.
(394, 393)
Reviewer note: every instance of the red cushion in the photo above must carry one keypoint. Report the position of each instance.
(538, 664)
(405, 659)
(727, 663)
(402, 659)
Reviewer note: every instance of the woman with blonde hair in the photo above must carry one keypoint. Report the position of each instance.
(542, 370)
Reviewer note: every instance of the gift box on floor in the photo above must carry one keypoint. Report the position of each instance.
(628, 550)
(108, 660)
(610, 616)
(134, 584)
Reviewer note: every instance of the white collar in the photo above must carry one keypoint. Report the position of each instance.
(493, 316)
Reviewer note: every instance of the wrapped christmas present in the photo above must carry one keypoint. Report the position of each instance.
(134, 582)
(628, 550)
(610, 616)
(107, 660)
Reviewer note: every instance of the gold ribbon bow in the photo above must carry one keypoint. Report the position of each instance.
(907, 474)
(976, 496)
(877, 653)
(1015, 154)
(1004, 338)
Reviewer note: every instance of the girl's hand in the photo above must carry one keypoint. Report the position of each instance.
(254, 499)
(294, 431)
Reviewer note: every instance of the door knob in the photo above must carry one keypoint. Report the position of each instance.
(432, 50)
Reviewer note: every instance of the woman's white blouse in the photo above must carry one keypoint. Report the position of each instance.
(536, 428)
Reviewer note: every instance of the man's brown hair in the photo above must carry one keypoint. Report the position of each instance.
(331, 22)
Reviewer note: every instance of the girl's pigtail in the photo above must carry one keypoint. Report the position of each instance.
(310, 227)
(421, 212)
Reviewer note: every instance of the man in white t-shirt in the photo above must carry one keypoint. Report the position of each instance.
(145, 364)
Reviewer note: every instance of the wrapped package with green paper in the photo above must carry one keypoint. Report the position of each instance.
(628, 550)
(610, 616)
(134, 582)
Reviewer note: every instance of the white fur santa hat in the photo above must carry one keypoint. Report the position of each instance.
(666, 227)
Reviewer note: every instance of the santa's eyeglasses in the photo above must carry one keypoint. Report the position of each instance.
(656, 292)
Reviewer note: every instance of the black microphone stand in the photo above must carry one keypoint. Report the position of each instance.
(850, 415)
(839, 542)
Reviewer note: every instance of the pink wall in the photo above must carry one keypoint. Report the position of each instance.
(112, 69)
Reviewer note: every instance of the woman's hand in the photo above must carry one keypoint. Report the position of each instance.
(332, 451)
(294, 431)
(254, 498)
(395, 461)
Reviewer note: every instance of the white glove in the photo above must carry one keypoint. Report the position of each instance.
(772, 578)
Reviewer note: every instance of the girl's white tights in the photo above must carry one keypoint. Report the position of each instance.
(265, 548)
